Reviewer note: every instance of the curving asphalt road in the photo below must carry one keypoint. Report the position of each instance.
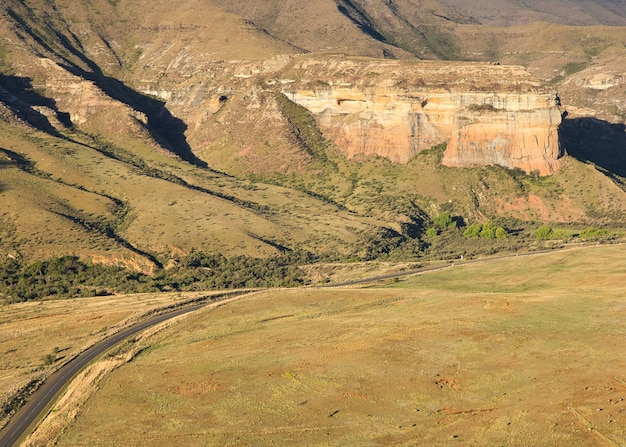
(37, 403)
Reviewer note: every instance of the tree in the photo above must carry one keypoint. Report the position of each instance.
(488, 231)
(543, 233)
(501, 233)
(444, 220)
(473, 231)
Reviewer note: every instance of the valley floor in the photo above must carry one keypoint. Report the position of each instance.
(521, 351)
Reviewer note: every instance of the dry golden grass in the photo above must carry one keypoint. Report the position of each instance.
(544, 48)
(522, 351)
(217, 213)
(31, 331)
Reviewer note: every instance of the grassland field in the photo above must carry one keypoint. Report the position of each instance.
(37, 337)
(527, 350)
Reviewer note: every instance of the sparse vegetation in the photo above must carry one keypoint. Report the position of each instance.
(305, 130)
(482, 108)
(49, 359)
(573, 67)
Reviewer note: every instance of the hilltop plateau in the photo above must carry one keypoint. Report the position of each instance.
(204, 136)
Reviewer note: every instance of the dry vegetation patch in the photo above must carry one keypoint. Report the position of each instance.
(527, 350)
(38, 337)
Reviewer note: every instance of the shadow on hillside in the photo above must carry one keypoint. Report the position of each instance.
(165, 128)
(357, 16)
(18, 94)
(599, 142)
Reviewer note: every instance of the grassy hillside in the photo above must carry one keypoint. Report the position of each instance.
(570, 12)
(531, 351)
(148, 137)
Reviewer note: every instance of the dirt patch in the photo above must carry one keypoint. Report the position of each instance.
(534, 207)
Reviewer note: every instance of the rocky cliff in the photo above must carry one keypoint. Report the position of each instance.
(486, 114)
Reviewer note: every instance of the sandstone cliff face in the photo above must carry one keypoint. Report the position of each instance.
(486, 114)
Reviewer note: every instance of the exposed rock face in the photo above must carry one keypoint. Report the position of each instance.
(486, 114)
(599, 90)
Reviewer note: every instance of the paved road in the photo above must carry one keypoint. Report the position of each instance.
(387, 276)
(37, 403)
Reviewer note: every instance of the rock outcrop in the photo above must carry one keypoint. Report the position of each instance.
(486, 114)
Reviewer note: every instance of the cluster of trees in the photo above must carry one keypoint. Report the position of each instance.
(486, 231)
(68, 276)
(546, 232)
(442, 222)
(445, 221)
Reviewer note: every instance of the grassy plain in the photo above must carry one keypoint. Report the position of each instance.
(527, 350)
(29, 332)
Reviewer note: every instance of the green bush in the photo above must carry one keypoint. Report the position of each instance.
(485, 231)
(432, 232)
(444, 220)
(488, 231)
(591, 233)
(544, 233)
(501, 233)
(473, 231)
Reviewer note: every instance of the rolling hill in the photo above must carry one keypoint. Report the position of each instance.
(136, 134)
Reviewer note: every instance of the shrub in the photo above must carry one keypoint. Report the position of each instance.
(544, 233)
(485, 231)
(488, 231)
(481, 108)
(432, 232)
(473, 231)
(591, 232)
(444, 220)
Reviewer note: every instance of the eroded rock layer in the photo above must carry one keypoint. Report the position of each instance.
(485, 114)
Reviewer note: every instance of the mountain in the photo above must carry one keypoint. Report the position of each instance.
(136, 134)
(565, 12)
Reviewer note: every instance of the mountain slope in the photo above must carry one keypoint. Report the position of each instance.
(566, 12)
(135, 135)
